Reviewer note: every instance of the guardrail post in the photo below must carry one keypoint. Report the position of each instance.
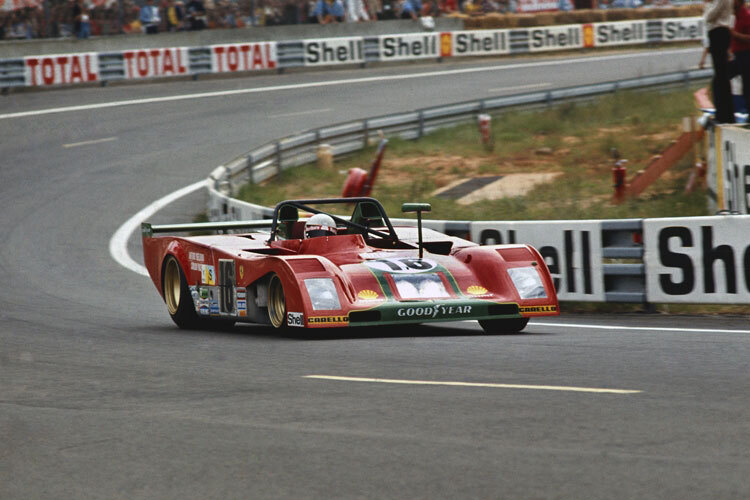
(365, 133)
(420, 131)
(249, 164)
(548, 99)
(278, 157)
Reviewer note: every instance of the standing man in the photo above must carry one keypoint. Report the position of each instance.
(740, 46)
(718, 19)
(150, 18)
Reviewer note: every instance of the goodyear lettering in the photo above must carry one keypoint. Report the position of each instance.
(436, 311)
(330, 320)
(537, 309)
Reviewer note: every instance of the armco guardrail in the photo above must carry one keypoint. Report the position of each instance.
(269, 159)
(134, 64)
(675, 260)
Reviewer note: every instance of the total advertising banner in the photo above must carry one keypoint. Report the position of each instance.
(615, 33)
(327, 51)
(152, 63)
(408, 47)
(61, 69)
(549, 38)
(243, 57)
(729, 175)
(698, 259)
(571, 249)
(474, 43)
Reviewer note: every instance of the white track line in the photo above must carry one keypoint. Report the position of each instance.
(637, 328)
(300, 113)
(89, 143)
(118, 245)
(370, 79)
(475, 384)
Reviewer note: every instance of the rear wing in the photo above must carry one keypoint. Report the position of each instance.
(148, 230)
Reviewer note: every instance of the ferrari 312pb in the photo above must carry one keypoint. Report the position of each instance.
(326, 271)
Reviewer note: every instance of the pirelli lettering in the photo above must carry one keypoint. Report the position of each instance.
(328, 320)
(537, 309)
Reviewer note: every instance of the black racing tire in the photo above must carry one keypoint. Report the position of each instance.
(503, 326)
(276, 302)
(177, 296)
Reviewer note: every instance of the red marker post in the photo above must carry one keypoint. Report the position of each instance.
(485, 131)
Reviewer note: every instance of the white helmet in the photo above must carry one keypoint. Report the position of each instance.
(320, 225)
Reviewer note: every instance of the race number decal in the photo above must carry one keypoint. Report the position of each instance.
(404, 265)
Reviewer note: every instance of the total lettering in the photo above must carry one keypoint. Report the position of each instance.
(155, 62)
(55, 70)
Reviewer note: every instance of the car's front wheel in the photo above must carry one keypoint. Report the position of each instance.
(503, 326)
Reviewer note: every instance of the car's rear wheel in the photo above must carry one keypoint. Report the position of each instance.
(276, 302)
(501, 326)
(177, 296)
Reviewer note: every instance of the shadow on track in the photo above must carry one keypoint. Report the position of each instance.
(352, 333)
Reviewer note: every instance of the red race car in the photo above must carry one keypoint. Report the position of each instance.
(327, 271)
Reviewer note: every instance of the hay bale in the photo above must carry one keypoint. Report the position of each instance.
(617, 14)
(526, 20)
(545, 19)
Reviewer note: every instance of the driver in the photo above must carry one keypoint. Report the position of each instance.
(320, 225)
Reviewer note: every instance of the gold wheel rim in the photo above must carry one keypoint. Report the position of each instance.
(172, 286)
(276, 302)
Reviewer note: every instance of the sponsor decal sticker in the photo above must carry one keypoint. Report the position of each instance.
(242, 272)
(537, 309)
(208, 275)
(433, 312)
(198, 257)
(476, 290)
(214, 307)
(295, 319)
(588, 35)
(330, 320)
(241, 307)
(203, 309)
(368, 295)
(203, 292)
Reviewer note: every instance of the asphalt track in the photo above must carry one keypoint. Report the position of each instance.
(102, 397)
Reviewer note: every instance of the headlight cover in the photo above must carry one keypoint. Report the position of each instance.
(322, 293)
(420, 286)
(527, 282)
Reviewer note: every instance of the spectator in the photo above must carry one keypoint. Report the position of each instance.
(321, 14)
(411, 9)
(355, 11)
(740, 46)
(337, 11)
(85, 23)
(717, 16)
(196, 14)
(174, 15)
(77, 10)
(150, 18)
